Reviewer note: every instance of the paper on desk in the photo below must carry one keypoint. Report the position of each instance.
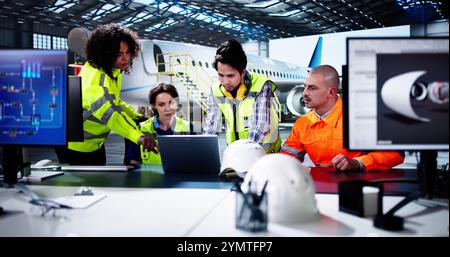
(79, 201)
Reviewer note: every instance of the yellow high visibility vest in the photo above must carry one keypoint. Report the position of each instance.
(238, 114)
(180, 126)
(103, 110)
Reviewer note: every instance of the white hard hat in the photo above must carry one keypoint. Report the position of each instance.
(290, 189)
(239, 156)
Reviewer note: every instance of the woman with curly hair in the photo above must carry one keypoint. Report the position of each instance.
(110, 51)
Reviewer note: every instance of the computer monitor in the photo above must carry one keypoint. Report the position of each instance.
(75, 132)
(396, 98)
(33, 97)
(397, 94)
(33, 103)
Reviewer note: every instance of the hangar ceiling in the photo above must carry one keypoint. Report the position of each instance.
(210, 22)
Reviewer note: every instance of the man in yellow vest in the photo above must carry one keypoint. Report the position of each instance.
(110, 51)
(247, 101)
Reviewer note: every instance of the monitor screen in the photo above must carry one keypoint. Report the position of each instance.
(396, 96)
(33, 97)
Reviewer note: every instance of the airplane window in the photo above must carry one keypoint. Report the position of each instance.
(178, 61)
(267, 73)
(207, 65)
(270, 73)
(200, 63)
(193, 63)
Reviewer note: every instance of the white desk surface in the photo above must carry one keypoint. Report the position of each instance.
(192, 212)
(419, 221)
(124, 212)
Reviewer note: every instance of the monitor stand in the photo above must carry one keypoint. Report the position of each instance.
(431, 186)
(16, 159)
(12, 159)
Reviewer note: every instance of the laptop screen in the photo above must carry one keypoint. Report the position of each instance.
(189, 153)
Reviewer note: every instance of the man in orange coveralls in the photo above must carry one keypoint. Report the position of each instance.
(319, 132)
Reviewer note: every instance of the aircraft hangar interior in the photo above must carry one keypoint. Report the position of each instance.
(250, 118)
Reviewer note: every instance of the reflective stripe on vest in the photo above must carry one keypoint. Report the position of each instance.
(179, 127)
(244, 109)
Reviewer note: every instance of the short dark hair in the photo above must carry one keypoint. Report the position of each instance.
(230, 52)
(103, 46)
(162, 88)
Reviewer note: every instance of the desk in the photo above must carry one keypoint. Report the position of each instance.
(420, 221)
(193, 212)
(148, 176)
(148, 203)
(326, 180)
(152, 176)
(124, 212)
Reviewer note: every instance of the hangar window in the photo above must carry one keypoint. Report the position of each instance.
(59, 43)
(41, 41)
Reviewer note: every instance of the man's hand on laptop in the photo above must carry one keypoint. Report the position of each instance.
(148, 143)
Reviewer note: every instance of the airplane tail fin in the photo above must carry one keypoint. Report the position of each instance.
(316, 58)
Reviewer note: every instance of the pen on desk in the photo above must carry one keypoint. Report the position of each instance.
(261, 195)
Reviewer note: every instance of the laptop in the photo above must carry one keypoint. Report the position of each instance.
(189, 154)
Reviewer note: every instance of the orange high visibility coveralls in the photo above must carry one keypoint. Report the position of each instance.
(322, 140)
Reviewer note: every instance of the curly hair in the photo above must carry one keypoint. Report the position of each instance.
(103, 46)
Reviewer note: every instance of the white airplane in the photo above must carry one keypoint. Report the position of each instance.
(164, 61)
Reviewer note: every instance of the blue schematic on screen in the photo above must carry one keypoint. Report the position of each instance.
(33, 94)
